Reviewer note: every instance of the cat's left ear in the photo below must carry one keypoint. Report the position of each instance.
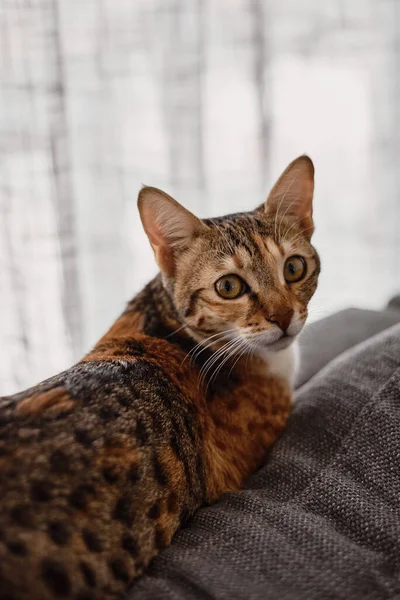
(292, 194)
(170, 227)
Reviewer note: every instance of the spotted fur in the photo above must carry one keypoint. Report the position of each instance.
(101, 464)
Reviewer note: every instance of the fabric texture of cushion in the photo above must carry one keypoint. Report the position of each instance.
(325, 339)
(321, 520)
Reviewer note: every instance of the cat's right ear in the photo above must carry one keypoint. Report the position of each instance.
(292, 195)
(170, 227)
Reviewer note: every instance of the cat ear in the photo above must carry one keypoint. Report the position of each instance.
(292, 194)
(169, 226)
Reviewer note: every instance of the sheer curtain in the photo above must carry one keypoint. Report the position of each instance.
(209, 100)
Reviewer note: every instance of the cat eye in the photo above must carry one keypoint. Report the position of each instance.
(230, 287)
(295, 269)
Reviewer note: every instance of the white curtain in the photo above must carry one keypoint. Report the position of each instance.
(207, 99)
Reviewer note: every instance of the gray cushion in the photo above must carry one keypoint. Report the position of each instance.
(321, 520)
(394, 303)
(324, 340)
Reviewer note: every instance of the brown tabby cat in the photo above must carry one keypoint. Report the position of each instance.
(177, 404)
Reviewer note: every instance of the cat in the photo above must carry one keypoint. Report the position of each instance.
(177, 404)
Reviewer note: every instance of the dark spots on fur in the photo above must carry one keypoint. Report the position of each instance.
(178, 449)
(133, 474)
(220, 445)
(160, 473)
(192, 302)
(108, 412)
(119, 570)
(255, 306)
(3, 450)
(252, 426)
(139, 565)
(200, 473)
(158, 422)
(40, 491)
(92, 542)
(130, 545)
(249, 250)
(83, 437)
(84, 596)
(110, 474)
(18, 548)
(189, 424)
(59, 462)
(259, 407)
(113, 440)
(172, 503)
(184, 516)
(192, 409)
(234, 430)
(88, 574)
(219, 422)
(80, 496)
(7, 595)
(134, 348)
(176, 446)
(21, 515)
(56, 577)
(233, 404)
(124, 399)
(5, 418)
(154, 511)
(123, 511)
(160, 538)
(58, 532)
(141, 434)
(85, 461)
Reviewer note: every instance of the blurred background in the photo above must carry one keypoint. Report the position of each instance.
(207, 99)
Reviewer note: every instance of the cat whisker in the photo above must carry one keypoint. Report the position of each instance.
(187, 325)
(215, 356)
(213, 353)
(176, 331)
(230, 352)
(251, 353)
(203, 341)
(220, 335)
(214, 359)
(246, 348)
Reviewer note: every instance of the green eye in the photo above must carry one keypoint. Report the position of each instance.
(230, 287)
(295, 269)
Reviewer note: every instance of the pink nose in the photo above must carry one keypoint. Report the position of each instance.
(282, 319)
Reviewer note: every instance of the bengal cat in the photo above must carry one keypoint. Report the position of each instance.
(177, 403)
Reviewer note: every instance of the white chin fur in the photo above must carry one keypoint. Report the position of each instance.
(284, 362)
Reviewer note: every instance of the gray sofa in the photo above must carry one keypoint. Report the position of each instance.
(321, 520)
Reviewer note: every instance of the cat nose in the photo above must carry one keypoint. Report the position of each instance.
(282, 319)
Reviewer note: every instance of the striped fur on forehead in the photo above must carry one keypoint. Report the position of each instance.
(247, 237)
(254, 247)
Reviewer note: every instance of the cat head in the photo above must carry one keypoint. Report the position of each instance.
(245, 277)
